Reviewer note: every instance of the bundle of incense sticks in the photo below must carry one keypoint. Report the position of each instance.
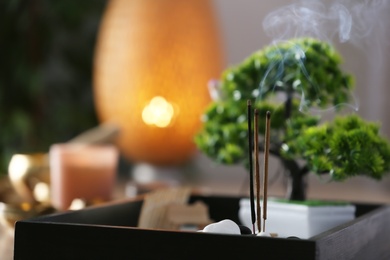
(255, 216)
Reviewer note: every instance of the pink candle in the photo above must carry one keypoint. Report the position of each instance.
(82, 171)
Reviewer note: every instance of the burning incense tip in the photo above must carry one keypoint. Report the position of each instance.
(248, 102)
(268, 114)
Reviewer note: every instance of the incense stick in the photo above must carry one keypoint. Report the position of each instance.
(257, 169)
(266, 154)
(249, 114)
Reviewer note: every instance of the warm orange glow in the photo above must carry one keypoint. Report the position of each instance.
(147, 49)
(25, 206)
(158, 112)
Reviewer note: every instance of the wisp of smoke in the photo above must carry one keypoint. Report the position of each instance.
(351, 20)
(343, 21)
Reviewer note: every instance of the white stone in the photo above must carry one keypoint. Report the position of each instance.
(225, 226)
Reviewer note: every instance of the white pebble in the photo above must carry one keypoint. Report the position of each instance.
(263, 234)
(225, 226)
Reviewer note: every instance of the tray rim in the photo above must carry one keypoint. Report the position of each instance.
(320, 246)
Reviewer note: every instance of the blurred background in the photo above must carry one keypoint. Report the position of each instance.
(47, 96)
(46, 73)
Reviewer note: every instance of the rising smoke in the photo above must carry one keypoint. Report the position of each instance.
(357, 22)
(348, 20)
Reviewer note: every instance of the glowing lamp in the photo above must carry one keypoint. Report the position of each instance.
(152, 64)
(158, 112)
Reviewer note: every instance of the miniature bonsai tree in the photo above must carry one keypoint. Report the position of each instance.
(306, 73)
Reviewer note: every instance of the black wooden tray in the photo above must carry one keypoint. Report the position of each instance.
(109, 232)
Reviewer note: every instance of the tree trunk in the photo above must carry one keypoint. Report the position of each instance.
(297, 185)
(297, 182)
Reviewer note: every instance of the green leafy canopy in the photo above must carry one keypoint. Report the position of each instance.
(306, 73)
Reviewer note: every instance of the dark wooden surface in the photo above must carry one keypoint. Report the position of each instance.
(367, 237)
(108, 232)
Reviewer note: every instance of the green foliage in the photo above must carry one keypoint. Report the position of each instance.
(307, 72)
(308, 66)
(45, 73)
(346, 147)
(224, 132)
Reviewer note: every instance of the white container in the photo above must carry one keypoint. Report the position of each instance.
(289, 219)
